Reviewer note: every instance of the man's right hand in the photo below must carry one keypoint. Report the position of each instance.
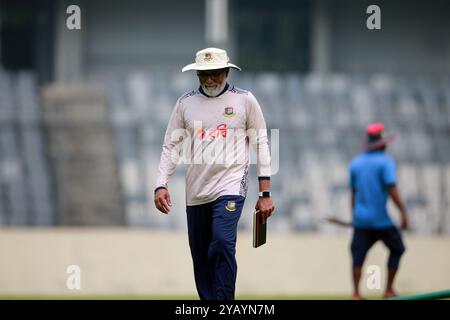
(162, 201)
(404, 221)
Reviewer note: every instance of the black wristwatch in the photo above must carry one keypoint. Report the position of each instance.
(265, 194)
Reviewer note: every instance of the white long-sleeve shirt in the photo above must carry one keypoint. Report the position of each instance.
(215, 133)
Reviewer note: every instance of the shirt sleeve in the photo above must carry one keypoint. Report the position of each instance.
(389, 173)
(352, 177)
(170, 149)
(257, 132)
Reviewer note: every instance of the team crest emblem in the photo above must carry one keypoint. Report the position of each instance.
(228, 112)
(231, 205)
(208, 56)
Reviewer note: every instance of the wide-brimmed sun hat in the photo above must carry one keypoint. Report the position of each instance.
(210, 59)
(376, 136)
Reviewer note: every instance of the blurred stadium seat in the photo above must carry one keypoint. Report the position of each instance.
(323, 116)
(25, 191)
(320, 117)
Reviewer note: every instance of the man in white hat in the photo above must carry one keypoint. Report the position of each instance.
(216, 122)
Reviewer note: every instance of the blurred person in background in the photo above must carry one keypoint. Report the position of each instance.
(207, 117)
(372, 180)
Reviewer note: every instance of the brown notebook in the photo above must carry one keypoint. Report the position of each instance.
(259, 230)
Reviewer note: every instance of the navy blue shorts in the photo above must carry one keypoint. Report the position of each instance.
(364, 239)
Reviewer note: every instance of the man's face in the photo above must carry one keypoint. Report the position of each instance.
(212, 80)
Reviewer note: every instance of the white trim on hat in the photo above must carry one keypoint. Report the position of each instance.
(210, 59)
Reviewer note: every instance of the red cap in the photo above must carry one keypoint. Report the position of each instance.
(375, 128)
(376, 137)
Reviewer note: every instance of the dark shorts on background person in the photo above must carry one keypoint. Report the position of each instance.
(364, 239)
(212, 230)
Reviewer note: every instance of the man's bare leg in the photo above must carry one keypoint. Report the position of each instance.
(356, 280)
(390, 292)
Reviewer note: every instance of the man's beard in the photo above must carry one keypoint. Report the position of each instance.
(214, 91)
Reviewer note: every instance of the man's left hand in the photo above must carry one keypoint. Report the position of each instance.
(265, 205)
